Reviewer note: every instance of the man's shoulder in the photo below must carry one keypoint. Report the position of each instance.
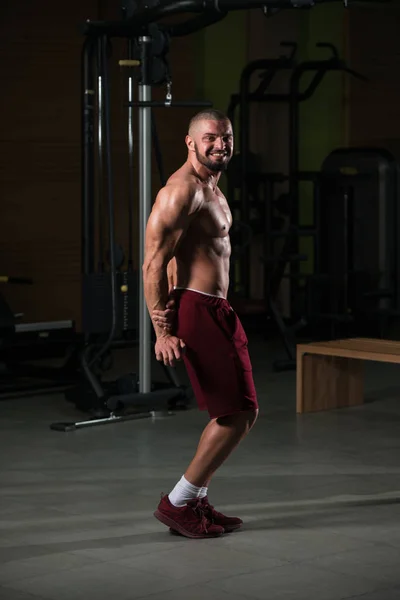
(181, 188)
(183, 179)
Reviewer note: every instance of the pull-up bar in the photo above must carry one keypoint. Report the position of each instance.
(211, 11)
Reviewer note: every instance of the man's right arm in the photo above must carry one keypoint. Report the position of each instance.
(169, 220)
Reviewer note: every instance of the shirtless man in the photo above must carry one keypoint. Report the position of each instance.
(187, 250)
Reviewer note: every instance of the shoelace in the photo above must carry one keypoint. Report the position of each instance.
(210, 512)
(199, 511)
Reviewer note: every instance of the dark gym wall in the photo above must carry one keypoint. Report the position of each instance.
(40, 200)
(39, 147)
(374, 50)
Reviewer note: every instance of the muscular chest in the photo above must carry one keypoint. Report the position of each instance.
(215, 218)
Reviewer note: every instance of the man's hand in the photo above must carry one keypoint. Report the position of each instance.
(165, 318)
(168, 349)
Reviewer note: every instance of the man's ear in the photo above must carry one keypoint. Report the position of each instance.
(189, 143)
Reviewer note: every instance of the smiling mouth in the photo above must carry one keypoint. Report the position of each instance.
(219, 154)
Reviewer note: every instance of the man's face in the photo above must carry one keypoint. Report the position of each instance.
(213, 144)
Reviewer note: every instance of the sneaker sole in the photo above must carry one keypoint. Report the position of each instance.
(176, 527)
(226, 530)
(233, 528)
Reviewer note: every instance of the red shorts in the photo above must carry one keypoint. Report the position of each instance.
(216, 357)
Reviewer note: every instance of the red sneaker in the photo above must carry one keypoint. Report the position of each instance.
(228, 523)
(188, 520)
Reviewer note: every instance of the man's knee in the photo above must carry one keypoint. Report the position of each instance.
(243, 420)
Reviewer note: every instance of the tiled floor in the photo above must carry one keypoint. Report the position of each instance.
(319, 494)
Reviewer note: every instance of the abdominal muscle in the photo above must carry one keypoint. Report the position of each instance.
(209, 276)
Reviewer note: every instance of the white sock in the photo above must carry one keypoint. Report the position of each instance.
(183, 492)
(203, 492)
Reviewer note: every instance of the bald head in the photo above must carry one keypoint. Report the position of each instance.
(210, 114)
(210, 140)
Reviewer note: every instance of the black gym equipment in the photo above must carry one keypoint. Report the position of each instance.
(356, 287)
(26, 347)
(278, 213)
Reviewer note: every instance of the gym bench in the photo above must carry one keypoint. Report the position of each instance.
(330, 374)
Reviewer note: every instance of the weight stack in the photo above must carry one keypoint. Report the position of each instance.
(97, 303)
